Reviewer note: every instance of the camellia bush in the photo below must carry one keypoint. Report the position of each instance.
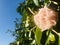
(40, 23)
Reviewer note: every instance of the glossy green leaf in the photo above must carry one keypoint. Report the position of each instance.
(36, 2)
(38, 35)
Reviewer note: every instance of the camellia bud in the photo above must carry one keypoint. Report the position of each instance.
(45, 18)
(51, 37)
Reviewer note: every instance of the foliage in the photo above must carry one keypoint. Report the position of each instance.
(27, 33)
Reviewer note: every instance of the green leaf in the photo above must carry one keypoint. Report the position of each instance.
(36, 2)
(38, 35)
(47, 40)
(48, 34)
(46, 2)
(59, 39)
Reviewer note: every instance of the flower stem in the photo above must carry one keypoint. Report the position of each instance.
(55, 32)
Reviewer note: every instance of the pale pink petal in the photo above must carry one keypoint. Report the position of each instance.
(45, 18)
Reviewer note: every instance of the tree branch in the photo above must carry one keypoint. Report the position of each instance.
(55, 32)
(31, 11)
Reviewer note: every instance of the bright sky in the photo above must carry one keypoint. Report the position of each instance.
(7, 17)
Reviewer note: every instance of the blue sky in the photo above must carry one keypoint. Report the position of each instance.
(7, 16)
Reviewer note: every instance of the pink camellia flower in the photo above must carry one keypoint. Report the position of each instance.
(45, 18)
